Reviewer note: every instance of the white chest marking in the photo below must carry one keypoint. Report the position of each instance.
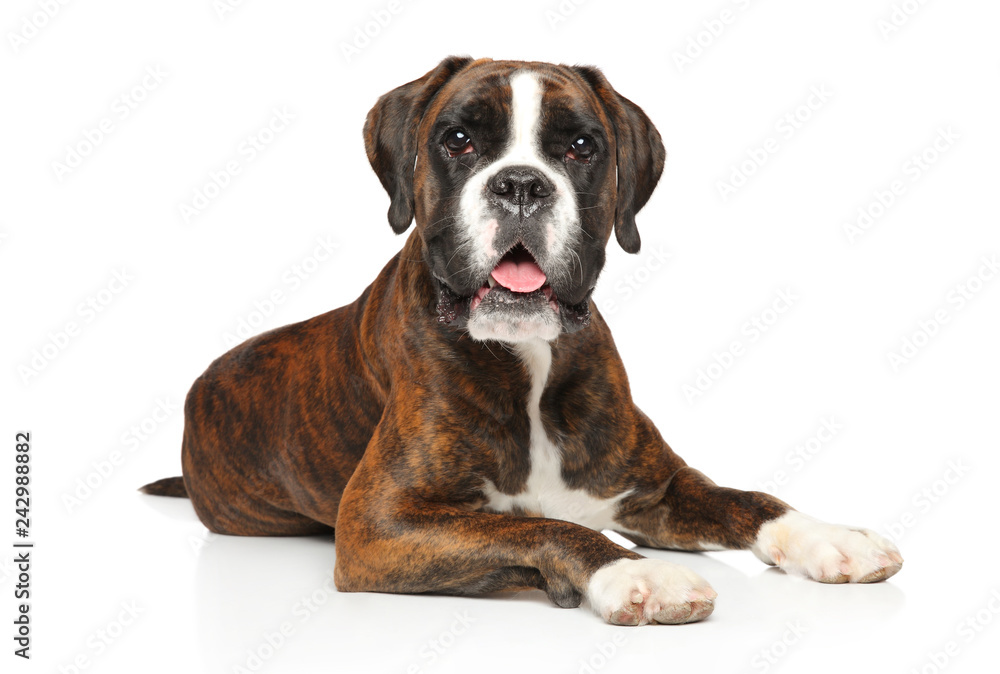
(545, 492)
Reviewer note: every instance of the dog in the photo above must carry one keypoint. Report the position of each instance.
(465, 426)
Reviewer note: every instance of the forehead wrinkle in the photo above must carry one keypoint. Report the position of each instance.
(468, 98)
(580, 106)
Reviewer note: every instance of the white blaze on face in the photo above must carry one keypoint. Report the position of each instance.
(526, 103)
(560, 222)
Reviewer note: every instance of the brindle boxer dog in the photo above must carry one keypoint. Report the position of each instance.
(466, 425)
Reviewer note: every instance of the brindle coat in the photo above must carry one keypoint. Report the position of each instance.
(381, 421)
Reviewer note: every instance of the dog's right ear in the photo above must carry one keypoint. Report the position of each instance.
(391, 136)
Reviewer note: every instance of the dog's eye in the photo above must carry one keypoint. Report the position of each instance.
(457, 142)
(581, 150)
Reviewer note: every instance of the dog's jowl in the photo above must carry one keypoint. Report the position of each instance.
(465, 426)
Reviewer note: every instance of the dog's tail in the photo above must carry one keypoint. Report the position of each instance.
(168, 486)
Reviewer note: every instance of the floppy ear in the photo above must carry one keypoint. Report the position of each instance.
(640, 155)
(391, 136)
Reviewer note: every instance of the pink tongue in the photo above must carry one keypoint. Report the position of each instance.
(521, 277)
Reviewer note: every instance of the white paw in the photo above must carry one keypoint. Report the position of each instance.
(829, 553)
(643, 591)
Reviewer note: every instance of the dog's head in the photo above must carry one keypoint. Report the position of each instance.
(516, 173)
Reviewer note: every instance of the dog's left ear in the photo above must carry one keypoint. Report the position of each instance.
(391, 136)
(640, 155)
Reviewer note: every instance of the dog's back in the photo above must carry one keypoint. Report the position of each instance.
(262, 470)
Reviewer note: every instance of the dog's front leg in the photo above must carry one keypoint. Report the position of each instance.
(389, 540)
(693, 513)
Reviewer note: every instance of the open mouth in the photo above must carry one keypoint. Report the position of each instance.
(517, 278)
(516, 294)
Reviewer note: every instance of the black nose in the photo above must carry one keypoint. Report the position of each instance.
(521, 185)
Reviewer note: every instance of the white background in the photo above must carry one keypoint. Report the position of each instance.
(203, 602)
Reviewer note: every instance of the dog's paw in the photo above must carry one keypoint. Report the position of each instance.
(829, 553)
(643, 591)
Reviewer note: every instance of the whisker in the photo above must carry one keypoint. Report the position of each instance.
(447, 217)
(573, 252)
(467, 243)
(487, 347)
